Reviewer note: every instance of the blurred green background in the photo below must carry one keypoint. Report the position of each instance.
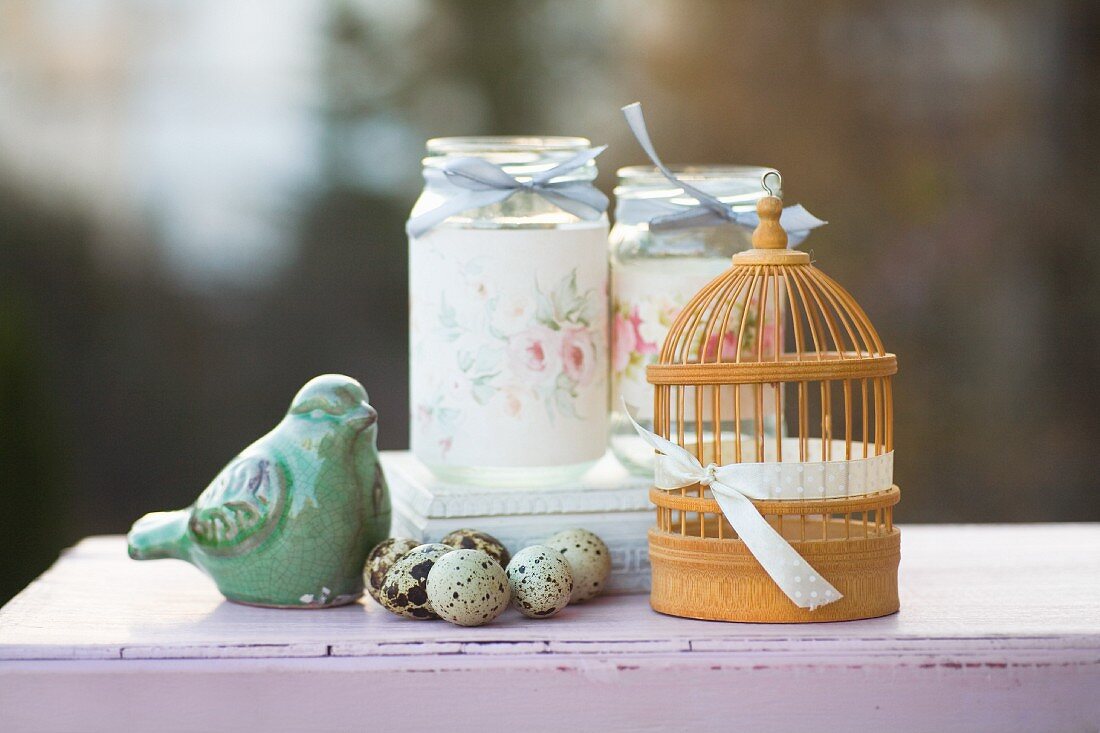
(202, 206)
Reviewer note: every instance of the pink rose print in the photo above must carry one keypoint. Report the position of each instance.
(578, 355)
(622, 342)
(767, 341)
(729, 347)
(640, 344)
(627, 340)
(536, 350)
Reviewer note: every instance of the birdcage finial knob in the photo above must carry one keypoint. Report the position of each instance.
(769, 239)
(769, 233)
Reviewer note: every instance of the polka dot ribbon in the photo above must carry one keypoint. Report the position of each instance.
(735, 484)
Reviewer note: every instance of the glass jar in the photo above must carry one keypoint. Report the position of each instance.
(654, 274)
(508, 324)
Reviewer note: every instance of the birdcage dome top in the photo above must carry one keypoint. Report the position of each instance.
(773, 316)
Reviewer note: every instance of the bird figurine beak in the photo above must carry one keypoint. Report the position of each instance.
(363, 416)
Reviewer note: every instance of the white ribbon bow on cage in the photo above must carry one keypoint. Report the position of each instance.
(735, 484)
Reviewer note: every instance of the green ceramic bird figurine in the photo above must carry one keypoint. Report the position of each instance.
(290, 521)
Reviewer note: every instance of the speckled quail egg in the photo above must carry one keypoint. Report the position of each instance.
(405, 586)
(588, 558)
(468, 587)
(381, 559)
(472, 539)
(541, 581)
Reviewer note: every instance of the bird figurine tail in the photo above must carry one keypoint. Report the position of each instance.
(160, 535)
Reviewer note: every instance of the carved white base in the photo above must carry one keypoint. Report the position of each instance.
(607, 500)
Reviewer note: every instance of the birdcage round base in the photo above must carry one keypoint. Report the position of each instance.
(719, 580)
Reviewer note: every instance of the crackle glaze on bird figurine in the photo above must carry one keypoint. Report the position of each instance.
(290, 521)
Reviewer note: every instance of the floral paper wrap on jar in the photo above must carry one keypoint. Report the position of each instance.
(508, 311)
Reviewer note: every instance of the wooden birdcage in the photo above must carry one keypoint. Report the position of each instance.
(773, 363)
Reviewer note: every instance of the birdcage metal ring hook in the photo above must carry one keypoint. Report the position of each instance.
(775, 189)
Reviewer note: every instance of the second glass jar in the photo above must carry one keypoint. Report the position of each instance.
(654, 274)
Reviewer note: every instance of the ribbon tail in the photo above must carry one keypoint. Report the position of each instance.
(795, 577)
(420, 224)
(696, 216)
(577, 161)
(579, 199)
(799, 223)
(636, 120)
(686, 468)
(478, 174)
(796, 218)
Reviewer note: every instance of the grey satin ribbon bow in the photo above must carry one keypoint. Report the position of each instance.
(475, 182)
(711, 211)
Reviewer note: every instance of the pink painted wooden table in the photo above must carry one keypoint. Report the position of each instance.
(999, 630)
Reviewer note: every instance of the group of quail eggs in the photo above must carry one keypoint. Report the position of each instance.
(468, 577)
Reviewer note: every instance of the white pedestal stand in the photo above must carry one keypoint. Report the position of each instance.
(607, 500)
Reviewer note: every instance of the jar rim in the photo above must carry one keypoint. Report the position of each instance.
(475, 144)
(647, 174)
